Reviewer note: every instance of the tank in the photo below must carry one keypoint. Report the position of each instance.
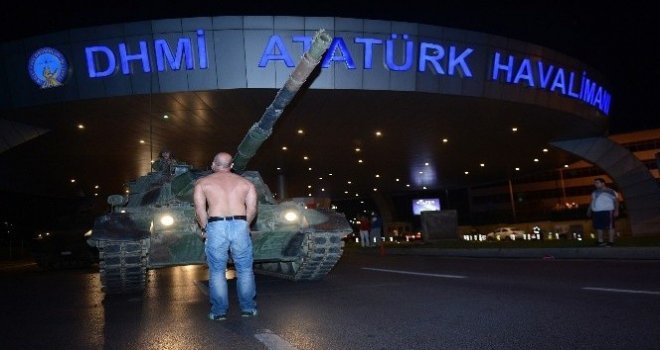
(155, 226)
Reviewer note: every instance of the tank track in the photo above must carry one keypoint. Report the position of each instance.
(123, 265)
(321, 251)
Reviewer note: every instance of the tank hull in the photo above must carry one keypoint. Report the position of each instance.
(126, 254)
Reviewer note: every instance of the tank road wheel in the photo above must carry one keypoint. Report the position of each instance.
(320, 252)
(123, 265)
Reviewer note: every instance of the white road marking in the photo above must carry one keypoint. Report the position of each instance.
(273, 341)
(415, 273)
(614, 290)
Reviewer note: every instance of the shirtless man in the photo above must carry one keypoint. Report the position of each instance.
(232, 205)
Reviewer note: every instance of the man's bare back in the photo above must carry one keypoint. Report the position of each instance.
(226, 193)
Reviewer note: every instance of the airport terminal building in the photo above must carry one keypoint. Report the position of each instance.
(497, 101)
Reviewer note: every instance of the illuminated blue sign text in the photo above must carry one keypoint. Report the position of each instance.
(398, 53)
(102, 61)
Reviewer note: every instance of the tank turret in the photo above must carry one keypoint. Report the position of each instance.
(155, 226)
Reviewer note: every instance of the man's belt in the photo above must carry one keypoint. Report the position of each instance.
(227, 218)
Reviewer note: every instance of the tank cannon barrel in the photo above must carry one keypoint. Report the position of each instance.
(262, 129)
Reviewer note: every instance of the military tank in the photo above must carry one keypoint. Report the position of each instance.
(154, 225)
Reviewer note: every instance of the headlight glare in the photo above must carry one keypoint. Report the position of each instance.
(291, 216)
(167, 220)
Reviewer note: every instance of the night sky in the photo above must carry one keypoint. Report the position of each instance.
(618, 41)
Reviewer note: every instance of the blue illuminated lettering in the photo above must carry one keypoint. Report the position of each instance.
(201, 49)
(507, 67)
(407, 54)
(183, 48)
(125, 58)
(588, 91)
(559, 82)
(459, 61)
(338, 44)
(598, 97)
(525, 73)
(436, 51)
(368, 50)
(97, 56)
(544, 75)
(571, 82)
(93, 60)
(275, 51)
(398, 55)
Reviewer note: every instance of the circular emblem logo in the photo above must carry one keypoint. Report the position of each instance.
(48, 67)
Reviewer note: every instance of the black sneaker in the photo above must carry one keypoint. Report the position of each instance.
(609, 244)
(602, 244)
(213, 317)
(251, 313)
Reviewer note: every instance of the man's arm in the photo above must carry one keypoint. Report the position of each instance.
(590, 204)
(251, 203)
(200, 205)
(616, 203)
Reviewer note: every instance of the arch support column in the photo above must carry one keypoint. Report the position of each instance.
(636, 183)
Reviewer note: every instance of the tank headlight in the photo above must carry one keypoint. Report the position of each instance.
(167, 220)
(291, 216)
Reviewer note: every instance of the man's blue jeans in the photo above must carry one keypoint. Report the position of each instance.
(223, 237)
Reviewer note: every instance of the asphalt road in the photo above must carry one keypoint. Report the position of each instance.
(367, 302)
